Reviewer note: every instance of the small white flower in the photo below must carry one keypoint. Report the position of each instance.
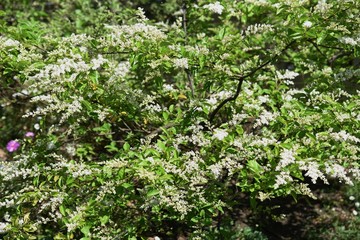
(214, 7)
(357, 204)
(220, 134)
(307, 24)
(351, 198)
(37, 126)
(354, 212)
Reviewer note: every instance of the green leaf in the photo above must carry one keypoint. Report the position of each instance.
(105, 128)
(286, 145)
(126, 146)
(221, 33)
(112, 147)
(255, 167)
(104, 220)
(62, 210)
(59, 236)
(29, 228)
(127, 185)
(161, 145)
(87, 105)
(202, 61)
(86, 230)
(165, 116)
(321, 38)
(152, 192)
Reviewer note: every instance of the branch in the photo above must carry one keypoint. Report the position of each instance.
(317, 47)
(184, 24)
(337, 56)
(184, 19)
(241, 80)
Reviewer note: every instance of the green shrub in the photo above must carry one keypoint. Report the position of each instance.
(153, 129)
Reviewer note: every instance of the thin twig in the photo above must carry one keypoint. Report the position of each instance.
(162, 128)
(191, 82)
(116, 52)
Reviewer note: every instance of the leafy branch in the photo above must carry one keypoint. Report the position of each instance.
(241, 80)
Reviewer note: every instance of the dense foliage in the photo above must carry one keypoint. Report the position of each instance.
(161, 120)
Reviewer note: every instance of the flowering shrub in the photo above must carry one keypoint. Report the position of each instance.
(154, 129)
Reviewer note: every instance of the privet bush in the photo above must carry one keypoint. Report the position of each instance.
(160, 128)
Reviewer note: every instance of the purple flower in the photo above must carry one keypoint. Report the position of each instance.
(29, 134)
(12, 146)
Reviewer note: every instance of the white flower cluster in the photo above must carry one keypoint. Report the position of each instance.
(75, 218)
(287, 75)
(141, 14)
(322, 7)
(192, 161)
(282, 179)
(258, 28)
(123, 36)
(347, 74)
(121, 70)
(264, 99)
(4, 227)
(265, 118)
(149, 104)
(219, 96)
(220, 134)
(305, 190)
(312, 171)
(76, 39)
(350, 41)
(197, 50)
(214, 7)
(8, 43)
(341, 117)
(175, 198)
(287, 157)
(168, 88)
(263, 142)
(197, 137)
(8, 203)
(106, 188)
(181, 63)
(307, 24)
(343, 136)
(12, 171)
(337, 171)
(71, 108)
(238, 118)
(53, 202)
(97, 62)
(118, 72)
(102, 113)
(53, 72)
